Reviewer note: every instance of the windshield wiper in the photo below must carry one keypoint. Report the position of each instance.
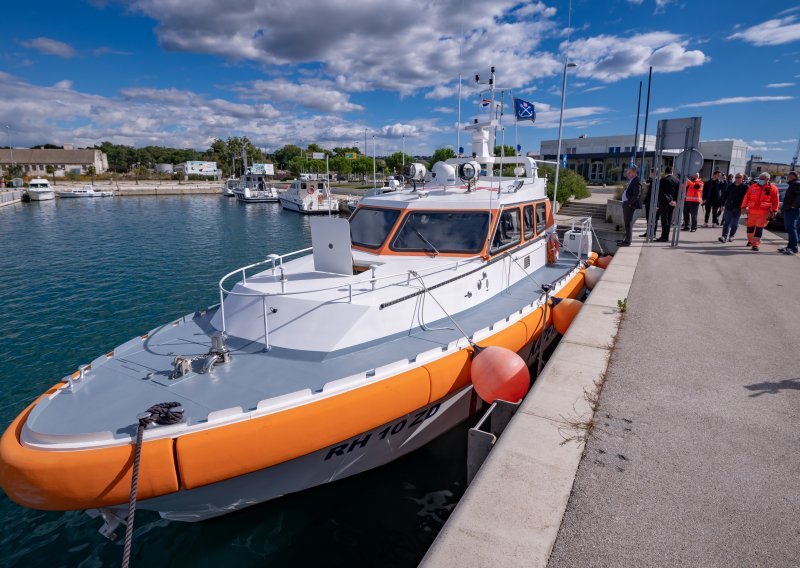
(427, 242)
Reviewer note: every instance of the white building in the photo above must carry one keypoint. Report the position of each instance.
(604, 158)
(34, 162)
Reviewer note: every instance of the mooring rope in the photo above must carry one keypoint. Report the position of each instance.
(164, 414)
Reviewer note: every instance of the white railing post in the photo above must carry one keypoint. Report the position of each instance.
(266, 326)
(244, 275)
(222, 308)
(349, 293)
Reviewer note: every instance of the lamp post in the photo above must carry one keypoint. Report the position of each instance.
(10, 147)
(560, 127)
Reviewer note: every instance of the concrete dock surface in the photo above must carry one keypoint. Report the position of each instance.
(694, 459)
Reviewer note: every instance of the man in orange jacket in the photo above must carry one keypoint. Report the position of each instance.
(694, 195)
(761, 203)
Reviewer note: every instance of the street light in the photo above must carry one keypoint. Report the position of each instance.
(11, 148)
(560, 127)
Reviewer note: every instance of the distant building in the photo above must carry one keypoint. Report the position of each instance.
(35, 162)
(198, 168)
(165, 168)
(604, 158)
(756, 165)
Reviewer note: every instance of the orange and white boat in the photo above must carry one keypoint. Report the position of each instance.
(316, 365)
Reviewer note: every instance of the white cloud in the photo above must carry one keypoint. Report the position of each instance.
(50, 47)
(315, 94)
(611, 58)
(444, 110)
(397, 46)
(724, 101)
(64, 85)
(779, 85)
(772, 32)
(593, 89)
(179, 118)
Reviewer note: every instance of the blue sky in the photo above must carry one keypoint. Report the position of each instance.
(181, 73)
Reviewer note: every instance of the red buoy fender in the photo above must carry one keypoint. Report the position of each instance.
(552, 248)
(603, 261)
(499, 373)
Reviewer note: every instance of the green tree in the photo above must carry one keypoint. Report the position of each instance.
(51, 171)
(395, 162)
(91, 171)
(442, 154)
(224, 151)
(340, 151)
(570, 184)
(509, 150)
(284, 155)
(341, 165)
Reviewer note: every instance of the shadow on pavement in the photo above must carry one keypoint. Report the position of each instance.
(774, 387)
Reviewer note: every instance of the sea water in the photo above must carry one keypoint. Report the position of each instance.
(81, 276)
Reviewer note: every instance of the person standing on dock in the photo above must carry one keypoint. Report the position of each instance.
(694, 195)
(731, 200)
(791, 213)
(631, 201)
(668, 188)
(761, 203)
(646, 198)
(712, 198)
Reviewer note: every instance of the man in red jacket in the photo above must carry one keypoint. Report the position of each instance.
(761, 203)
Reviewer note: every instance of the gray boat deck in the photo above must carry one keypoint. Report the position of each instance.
(137, 376)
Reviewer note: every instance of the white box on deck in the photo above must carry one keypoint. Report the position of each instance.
(578, 243)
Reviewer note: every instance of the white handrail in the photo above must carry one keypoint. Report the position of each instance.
(273, 258)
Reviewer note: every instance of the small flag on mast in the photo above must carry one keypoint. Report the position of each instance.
(485, 102)
(524, 110)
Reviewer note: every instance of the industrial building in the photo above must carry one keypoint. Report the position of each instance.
(34, 162)
(602, 159)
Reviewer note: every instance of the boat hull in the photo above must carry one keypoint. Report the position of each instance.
(360, 453)
(290, 205)
(41, 195)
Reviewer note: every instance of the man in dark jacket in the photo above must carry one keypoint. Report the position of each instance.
(712, 198)
(631, 201)
(791, 213)
(731, 201)
(668, 188)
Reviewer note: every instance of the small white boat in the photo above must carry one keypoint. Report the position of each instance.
(389, 186)
(255, 188)
(39, 190)
(309, 197)
(84, 191)
(229, 186)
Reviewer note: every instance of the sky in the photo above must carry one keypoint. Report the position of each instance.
(183, 72)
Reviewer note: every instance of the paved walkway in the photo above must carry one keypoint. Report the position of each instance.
(695, 455)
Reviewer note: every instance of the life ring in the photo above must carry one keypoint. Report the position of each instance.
(552, 248)
(310, 191)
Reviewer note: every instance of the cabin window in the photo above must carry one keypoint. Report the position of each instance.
(527, 219)
(442, 232)
(370, 227)
(320, 186)
(508, 231)
(302, 186)
(541, 217)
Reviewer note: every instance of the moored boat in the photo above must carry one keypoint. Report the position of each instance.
(39, 190)
(83, 191)
(255, 188)
(309, 197)
(316, 365)
(230, 184)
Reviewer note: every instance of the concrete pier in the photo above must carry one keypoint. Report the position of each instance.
(10, 196)
(688, 456)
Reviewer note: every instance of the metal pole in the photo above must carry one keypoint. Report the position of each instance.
(458, 124)
(635, 147)
(681, 192)
(560, 128)
(266, 327)
(374, 172)
(646, 116)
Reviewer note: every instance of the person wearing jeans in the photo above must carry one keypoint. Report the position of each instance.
(731, 200)
(791, 214)
(631, 201)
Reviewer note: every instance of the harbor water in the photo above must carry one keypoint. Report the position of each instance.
(80, 276)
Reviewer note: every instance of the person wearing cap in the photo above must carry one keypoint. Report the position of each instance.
(791, 213)
(761, 203)
(731, 200)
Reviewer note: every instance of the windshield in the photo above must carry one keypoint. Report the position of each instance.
(369, 227)
(442, 232)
